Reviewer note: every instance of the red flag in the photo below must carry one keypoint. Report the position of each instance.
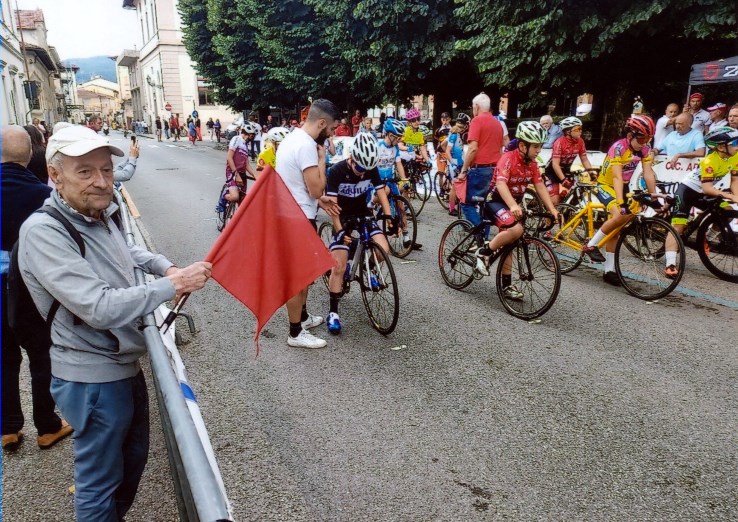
(269, 251)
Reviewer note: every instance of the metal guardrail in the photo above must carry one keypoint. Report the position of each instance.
(200, 497)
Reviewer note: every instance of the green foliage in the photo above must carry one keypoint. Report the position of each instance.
(575, 45)
(365, 52)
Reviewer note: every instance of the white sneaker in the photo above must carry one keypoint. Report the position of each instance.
(312, 321)
(482, 261)
(306, 340)
(513, 293)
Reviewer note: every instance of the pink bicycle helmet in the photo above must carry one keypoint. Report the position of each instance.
(412, 114)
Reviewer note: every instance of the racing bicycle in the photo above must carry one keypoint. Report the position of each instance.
(370, 268)
(533, 264)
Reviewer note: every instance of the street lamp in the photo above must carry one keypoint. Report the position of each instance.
(155, 86)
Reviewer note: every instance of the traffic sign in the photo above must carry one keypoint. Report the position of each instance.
(194, 114)
(168, 107)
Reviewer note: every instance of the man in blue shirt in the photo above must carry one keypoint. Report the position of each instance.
(684, 141)
(554, 131)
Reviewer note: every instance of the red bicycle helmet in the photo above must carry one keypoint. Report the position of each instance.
(640, 124)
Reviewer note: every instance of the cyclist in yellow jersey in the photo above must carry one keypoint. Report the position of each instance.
(721, 162)
(268, 156)
(413, 139)
(612, 187)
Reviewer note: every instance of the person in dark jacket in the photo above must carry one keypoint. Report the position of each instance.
(38, 153)
(22, 194)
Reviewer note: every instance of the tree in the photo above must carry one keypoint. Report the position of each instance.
(612, 49)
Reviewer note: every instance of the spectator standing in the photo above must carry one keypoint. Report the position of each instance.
(174, 125)
(166, 128)
(718, 113)
(554, 131)
(97, 379)
(269, 125)
(191, 131)
(356, 122)
(684, 142)
(37, 165)
(700, 116)
(256, 143)
(22, 194)
(198, 128)
(485, 141)
(733, 116)
(343, 129)
(209, 124)
(95, 123)
(158, 127)
(217, 128)
(665, 124)
(301, 164)
(366, 127)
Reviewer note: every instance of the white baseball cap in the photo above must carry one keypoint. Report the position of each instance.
(77, 140)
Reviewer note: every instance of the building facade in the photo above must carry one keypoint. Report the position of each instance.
(15, 109)
(42, 64)
(165, 77)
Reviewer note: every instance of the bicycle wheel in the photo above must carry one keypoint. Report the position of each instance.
(717, 246)
(418, 194)
(639, 258)
(564, 243)
(230, 211)
(379, 289)
(456, 258)
(403, 213)
(535, 274)
(442, 186)
(325, 231)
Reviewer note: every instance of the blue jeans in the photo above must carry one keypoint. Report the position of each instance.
(477, 186)
(111, 443)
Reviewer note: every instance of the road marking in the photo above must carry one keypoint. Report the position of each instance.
(173, 146)
(690, 292)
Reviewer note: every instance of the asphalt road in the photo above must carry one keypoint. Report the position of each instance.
(610, 408)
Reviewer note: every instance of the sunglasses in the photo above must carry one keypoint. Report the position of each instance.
(642, 138)
(576, 129)
(414, 120)
(734, 143)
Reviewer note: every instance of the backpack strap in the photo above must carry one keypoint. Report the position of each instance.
(51, 211)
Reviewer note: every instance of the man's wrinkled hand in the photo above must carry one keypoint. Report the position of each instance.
(190, 278)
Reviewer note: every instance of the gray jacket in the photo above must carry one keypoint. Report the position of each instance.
(99, 289)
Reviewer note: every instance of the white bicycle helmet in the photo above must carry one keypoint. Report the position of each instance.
(277, 134)
(249, 128)
(570, 122)
(365, 150)
(531, 132)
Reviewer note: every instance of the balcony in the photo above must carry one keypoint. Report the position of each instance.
(127, 58)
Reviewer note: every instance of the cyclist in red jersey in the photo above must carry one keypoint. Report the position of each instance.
(565, 151)
(515, 170)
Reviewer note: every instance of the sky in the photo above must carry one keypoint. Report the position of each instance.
(83, 28)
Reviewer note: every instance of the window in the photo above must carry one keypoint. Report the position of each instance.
(205, 93)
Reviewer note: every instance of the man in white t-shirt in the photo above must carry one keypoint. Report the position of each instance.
(665, 124)
(301, 164)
